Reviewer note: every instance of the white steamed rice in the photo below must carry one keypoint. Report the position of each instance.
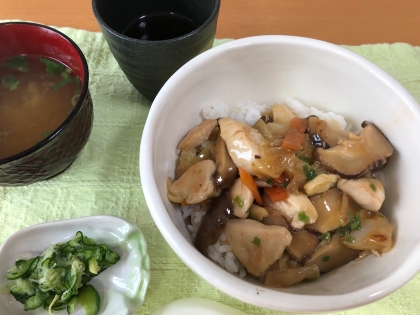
(249, 112)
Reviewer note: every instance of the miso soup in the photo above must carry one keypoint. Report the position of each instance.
(36, 96)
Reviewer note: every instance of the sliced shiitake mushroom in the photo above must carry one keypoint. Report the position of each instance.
(332, 255)
(374, 234)
(291, 275)
(323, 134)
(349, 159)
(333, 209)
(358, 154)
(226, 170)
(274, 217)
(303, 244)
(376, 144)
(214, 222)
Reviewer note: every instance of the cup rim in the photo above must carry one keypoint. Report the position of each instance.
(102, 23)
(76, 109)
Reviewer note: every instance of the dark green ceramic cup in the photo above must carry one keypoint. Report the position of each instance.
(149, 64)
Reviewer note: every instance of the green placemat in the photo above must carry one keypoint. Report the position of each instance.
(105, 178)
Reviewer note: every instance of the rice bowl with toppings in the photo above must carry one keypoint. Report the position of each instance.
(265, 70)
(327, 215)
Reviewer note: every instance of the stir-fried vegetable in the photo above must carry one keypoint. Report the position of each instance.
(314, 184)
(249, 182)
(57, 278)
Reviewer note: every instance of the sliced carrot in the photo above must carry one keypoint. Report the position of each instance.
(276, 193)
(249, 182)
(293, 140)
(299, 124)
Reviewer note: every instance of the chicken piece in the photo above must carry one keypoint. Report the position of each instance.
(242, 199)
(242, 142)
(257, 246)
(282, 114)
(368, 193)
(297, 209)
(320, 184)
(196, 184)
(198, 134)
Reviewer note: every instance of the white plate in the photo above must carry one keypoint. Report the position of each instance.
(122, 287)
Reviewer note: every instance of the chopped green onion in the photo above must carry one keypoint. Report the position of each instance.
(350, 239)
(303, 217)
(381, 215)
(62, 83)
(46, 133)
(64, 75)
(269, 182)
(325, 258)
(304, 159)
(239, 201)
(52, 67)
(326, 237)
(353, 225)
(78, 82)
(373, 187)
(10, 82)
(310, 173)
(19, 63)
(257, 241)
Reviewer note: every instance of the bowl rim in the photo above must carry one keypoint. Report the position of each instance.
(242, 290)
(197, 30)
(83, 94)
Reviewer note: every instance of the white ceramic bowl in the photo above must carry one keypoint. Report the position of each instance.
(122, 287)
(266, 69)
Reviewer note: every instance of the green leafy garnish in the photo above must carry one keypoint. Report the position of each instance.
(46, 133)
(257, 241)
(350, 239)
(326, 237)
(303, 217)
(62, 83)
(10, 82)
(19, 63)
(310, 173)
(373, 187)
(305, 159)
(353, 225)
(78, 82)
(239, 201)
(65, 74)
(60, 273)
(52, 67)
(269, 182)
(325, 258)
